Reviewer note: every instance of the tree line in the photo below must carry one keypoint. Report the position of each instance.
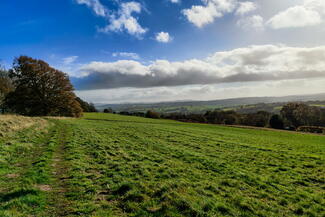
(293, 116)
(33, 88)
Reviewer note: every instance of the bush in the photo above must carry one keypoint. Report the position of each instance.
(276, 122)
(152, 114)
(108, 110)
(221, 117)
(258, 119)
(311, 129)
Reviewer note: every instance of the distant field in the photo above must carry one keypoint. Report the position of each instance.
(111, 165)
(201, 109)
(241, 105)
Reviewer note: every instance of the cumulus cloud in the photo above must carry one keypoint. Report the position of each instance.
(69, 60)
(254, 63)
(126, 55)
(175, 1)
(310, 13)
(201, 15)
(163, 37)
(252, 22)
(246, 7)
(125, 21)
(121, 67)
(120, 21)
(95, 5)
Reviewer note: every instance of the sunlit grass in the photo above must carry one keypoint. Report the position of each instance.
(131, 166)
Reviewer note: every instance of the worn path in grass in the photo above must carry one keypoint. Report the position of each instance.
(33, 172)
(59, 205)
(25, 172)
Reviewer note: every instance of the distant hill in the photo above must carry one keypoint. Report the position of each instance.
(202, 106)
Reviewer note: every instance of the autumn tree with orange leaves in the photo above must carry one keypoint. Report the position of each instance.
(41, 90)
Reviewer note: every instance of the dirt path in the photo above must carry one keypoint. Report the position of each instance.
(59, 204)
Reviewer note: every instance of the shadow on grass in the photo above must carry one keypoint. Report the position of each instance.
(16, 194)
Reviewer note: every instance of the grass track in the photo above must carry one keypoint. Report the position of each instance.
(110, 165)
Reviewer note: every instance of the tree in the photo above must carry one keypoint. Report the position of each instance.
(86, 107)
(314, 116)
(41, 90)
(92, 107)
(108, 110)
(290, 114)
(322, 118)
(300, 114)
(276, 122)
(5, 86)
(152, 114)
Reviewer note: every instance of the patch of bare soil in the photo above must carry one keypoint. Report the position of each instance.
(12, 175)
(45, 188)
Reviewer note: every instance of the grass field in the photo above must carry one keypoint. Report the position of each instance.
(110, 165)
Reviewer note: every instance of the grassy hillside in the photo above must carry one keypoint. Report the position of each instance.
(110, 165)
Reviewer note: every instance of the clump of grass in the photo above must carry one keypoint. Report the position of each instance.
(13, 123)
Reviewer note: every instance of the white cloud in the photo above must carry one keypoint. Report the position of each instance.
(95, 5)
(175, 1)
(310, 13)
(252, 22)
(126, 55)
(69, 60)
(254, 63)
(297, 16)
(246, 7)
(122, 20)
(123, 67)
(201, 15)
(163, 37)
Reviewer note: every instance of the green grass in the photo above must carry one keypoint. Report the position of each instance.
(318, 105)
(24, 170)
(110, 165)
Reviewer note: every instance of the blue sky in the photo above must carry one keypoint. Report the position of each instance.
(64, 28)
(162, 50)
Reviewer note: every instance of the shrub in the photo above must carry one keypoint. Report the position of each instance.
(276, 122)
(311, 129)
(108, 110)
(152, 114)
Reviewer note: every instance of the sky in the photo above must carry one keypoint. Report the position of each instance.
(118, 51)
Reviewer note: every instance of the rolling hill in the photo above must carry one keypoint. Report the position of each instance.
(202, 106)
